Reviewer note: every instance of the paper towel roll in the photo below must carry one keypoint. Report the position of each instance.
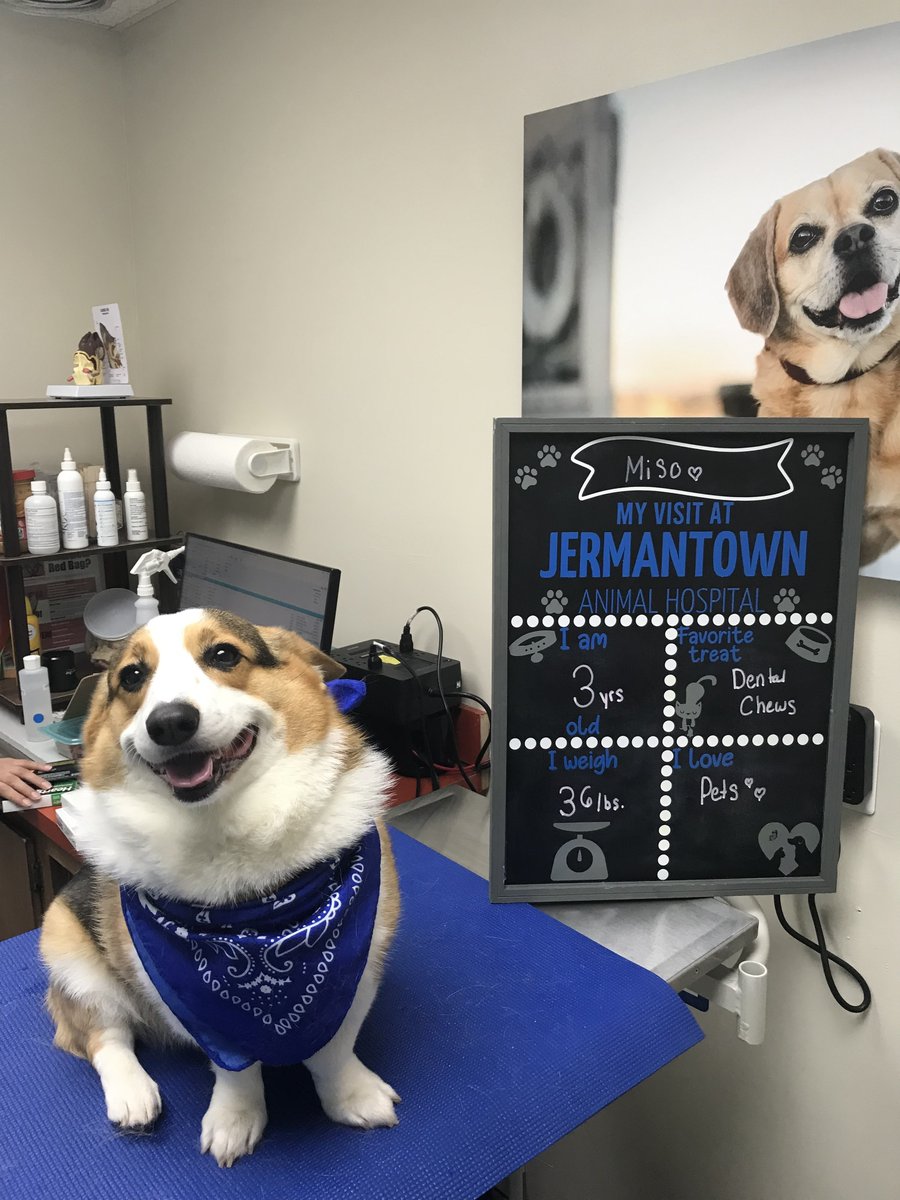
(217, 460)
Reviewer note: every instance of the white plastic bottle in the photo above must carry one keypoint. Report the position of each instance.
(41, 520)
(105, 512)
(72, 509)
(146, 607)
(34, 687)
(135, 509)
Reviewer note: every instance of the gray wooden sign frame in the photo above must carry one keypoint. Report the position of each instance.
(856, 432)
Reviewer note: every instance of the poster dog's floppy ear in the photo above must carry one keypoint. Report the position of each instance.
(891, 160)
(751, 285)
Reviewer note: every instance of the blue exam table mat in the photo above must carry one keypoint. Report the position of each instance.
(501, 1029)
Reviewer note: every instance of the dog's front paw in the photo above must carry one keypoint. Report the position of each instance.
(356, 1096)
(132, 1099)
(228, 1133)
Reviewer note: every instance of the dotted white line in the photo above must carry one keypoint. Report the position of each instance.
(622, 741)
(672, 621)
(666, 759)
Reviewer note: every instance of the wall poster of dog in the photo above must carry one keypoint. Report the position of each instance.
(726, 243)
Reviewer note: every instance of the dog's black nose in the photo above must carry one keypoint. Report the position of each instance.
(173, 724)
(853, 239)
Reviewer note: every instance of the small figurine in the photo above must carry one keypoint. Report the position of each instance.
(87, 360)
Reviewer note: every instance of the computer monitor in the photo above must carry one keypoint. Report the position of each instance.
(267, 589)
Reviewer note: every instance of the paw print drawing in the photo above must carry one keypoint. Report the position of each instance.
(831, 477)
(812, 456)
(526, 477)
(787, 600)
(549, 456)
(554, 602)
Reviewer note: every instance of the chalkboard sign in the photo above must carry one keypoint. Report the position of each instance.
(673, 626)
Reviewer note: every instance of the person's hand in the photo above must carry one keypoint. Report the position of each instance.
(20, 781)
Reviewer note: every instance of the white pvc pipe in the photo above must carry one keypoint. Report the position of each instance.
(753, 981)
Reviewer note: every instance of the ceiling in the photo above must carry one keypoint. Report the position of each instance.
(113, 13)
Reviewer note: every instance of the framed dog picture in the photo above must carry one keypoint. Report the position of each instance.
(746, 270)
(570, 183)
(673, 625)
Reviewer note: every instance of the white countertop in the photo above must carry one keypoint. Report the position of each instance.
(14, 744)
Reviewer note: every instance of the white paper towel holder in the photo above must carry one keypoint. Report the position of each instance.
(282, 461)
(270, 458)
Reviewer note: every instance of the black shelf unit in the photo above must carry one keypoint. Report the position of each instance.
(115, 562)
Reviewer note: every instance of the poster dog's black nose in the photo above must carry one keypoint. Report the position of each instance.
(853, 239)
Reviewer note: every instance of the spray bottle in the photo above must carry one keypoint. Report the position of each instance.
(146, 607)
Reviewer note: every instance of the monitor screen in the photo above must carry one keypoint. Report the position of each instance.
(264, 588)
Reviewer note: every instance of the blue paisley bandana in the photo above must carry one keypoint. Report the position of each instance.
(271, 980)
(347, 693)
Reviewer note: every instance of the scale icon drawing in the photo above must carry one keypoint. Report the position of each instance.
(579, 858)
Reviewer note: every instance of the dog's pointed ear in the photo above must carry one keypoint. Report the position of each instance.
(283, 643)
(328, 667)
(891, 160)
(751, 284)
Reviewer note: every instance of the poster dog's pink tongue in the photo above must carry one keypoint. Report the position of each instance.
(862, 304)
(189, 770)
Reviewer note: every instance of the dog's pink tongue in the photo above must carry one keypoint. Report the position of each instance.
(862, 304)
(189, 770)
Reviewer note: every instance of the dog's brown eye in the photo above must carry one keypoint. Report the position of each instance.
(223, 656)
(132, 678)
(883, 203)
(803, 238)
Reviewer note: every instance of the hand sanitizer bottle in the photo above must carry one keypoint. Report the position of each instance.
(34, 687)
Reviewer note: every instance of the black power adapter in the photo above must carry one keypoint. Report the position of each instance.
(859, 764)
(403, 711)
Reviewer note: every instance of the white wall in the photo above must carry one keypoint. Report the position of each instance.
(326, 208)
(64, 217)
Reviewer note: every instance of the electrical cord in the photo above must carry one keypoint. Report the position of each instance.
(826, 956)
(406, 646)
(479, 765)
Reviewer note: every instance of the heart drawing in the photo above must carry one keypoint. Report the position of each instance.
(776, 840)
(695, 473)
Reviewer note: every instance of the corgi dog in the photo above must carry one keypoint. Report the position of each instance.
(240, 894)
